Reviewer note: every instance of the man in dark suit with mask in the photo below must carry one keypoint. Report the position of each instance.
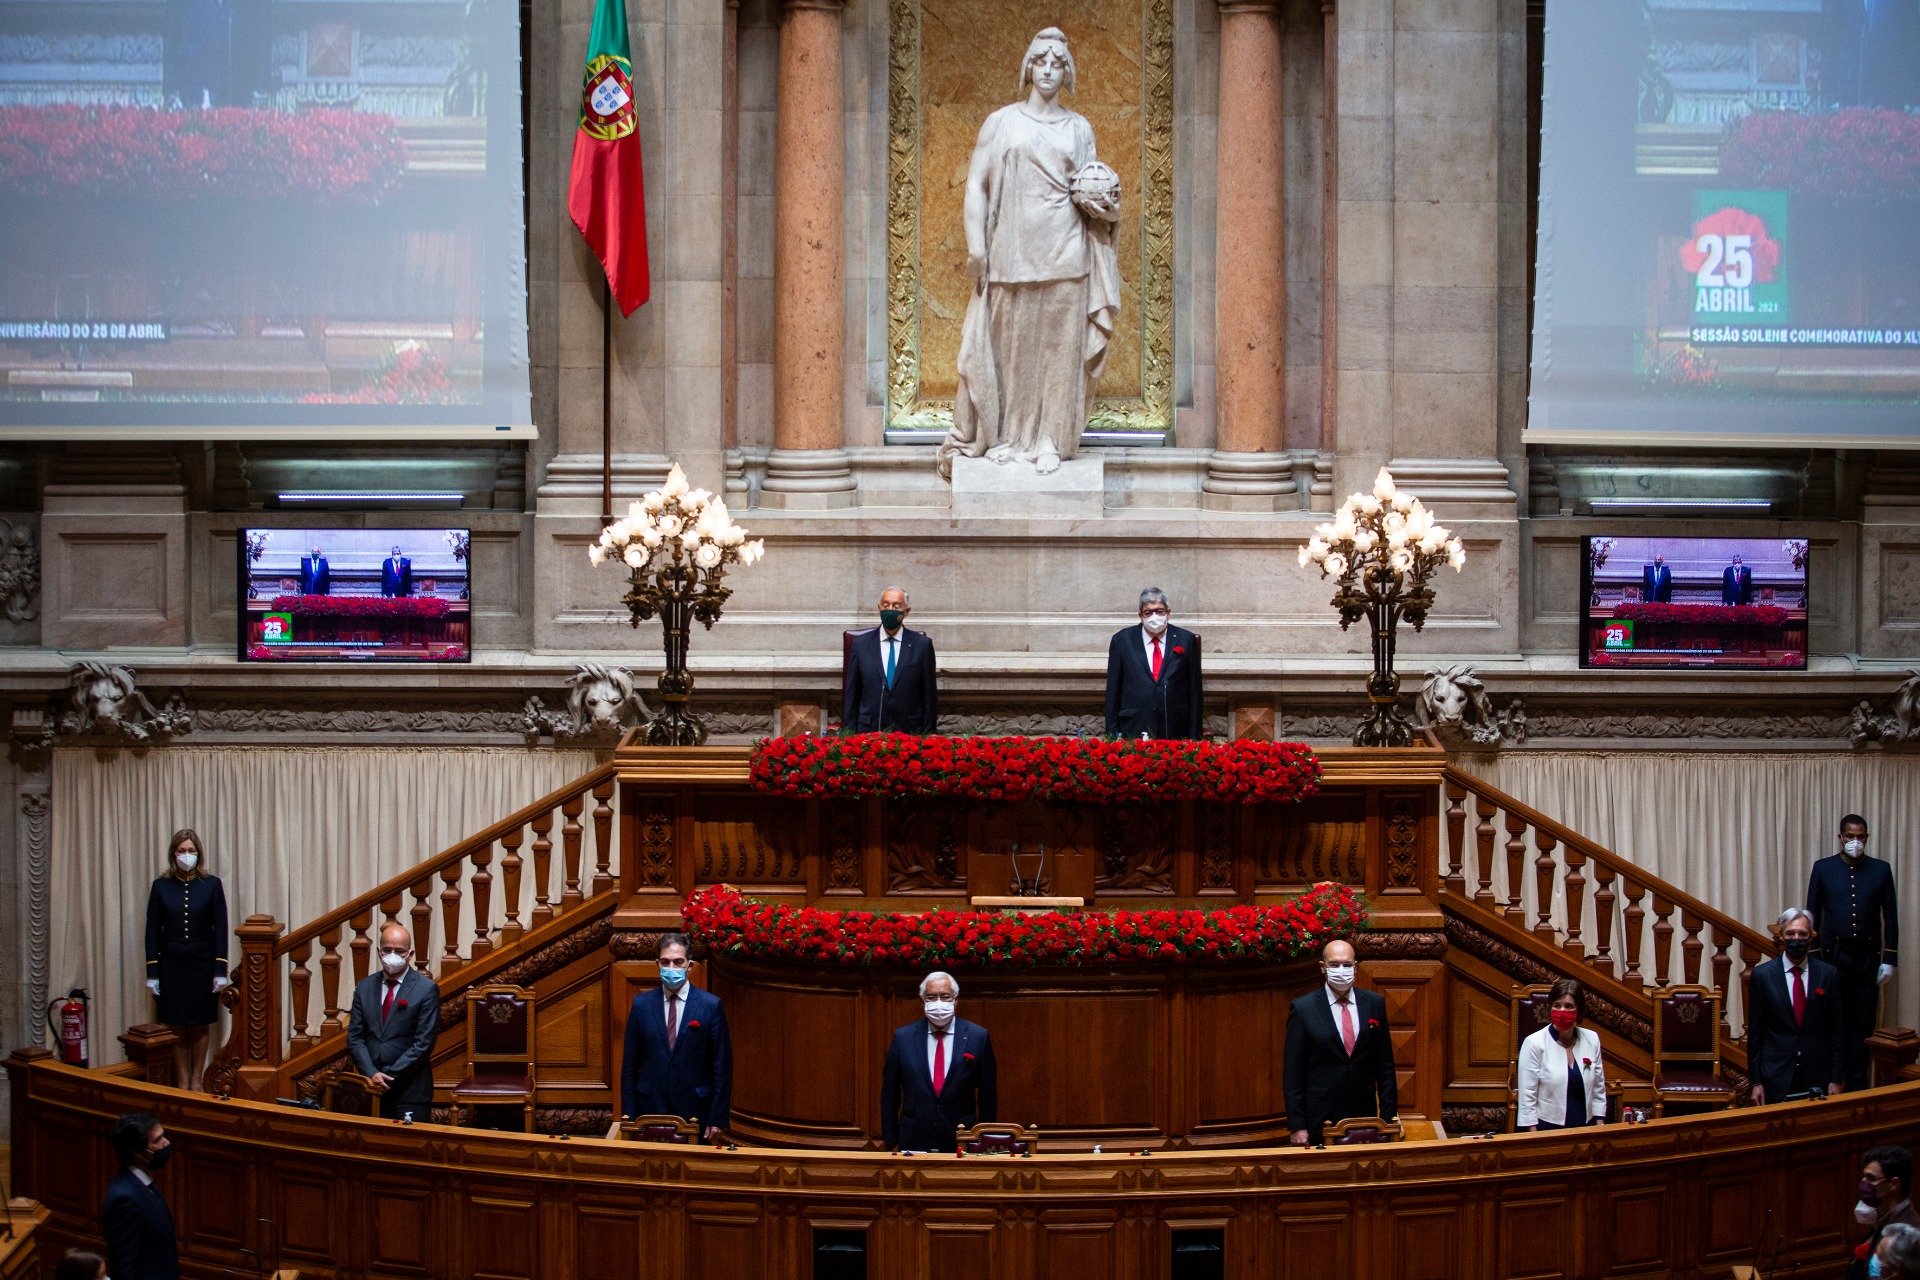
(141, 1244)
(1736, 583)
(1656, 581)
(396, 575)
(390, 1032)
(315, 578)
(1339, 1057)
(940, 1075)
(1154, 686)
(891, 682)
(1795, 1040)
(1856, 916)
(678, 1059)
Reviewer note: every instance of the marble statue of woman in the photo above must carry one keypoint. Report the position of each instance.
(1040, 215)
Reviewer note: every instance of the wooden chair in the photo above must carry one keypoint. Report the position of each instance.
(1686, 1049)
(675, 1130)
(499, 1053)
(995, 1139)
(1359, 1130)
(349, 1093)
(1527, 1013)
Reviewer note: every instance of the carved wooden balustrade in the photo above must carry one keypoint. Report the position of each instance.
(462, 905)
(1511, 864)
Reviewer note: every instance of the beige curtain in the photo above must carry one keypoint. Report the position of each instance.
(1738, 829)
(291, 832)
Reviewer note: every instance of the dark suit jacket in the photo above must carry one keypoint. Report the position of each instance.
(912, 1117)
(695, 1078)
(316, 579)
(1322, 1083)
(1136, 703)
(396, 577)
(911, 706)
(139, 1230)
(400, 1044)
(1656, 584)
(1776, 1044)
(1736, 585)
(1856, 914)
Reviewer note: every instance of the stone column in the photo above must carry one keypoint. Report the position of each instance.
(1250, 469)
(808, 467)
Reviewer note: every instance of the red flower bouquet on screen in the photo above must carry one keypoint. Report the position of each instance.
(425, 607)
(1736, 615)
(726, 923)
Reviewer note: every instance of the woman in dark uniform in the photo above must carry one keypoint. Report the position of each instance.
(187, 953)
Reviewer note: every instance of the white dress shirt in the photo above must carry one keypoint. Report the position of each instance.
(890, 641)
(1334, 1006)
(934, 1036)
(1146, 645)
(1786, 978)
(676, 1006)
(141, 1174)
(1542, 1077)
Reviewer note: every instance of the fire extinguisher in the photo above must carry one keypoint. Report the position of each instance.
(67, 1019)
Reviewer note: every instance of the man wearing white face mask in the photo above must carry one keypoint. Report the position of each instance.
(1856, 917)
(940, 1074)
(1154, 685)
(1339, 1060)
(396, 1015)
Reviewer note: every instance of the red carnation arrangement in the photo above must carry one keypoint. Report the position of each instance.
(1859, 154)
(1071, 770)
(1738, 615)
(362, 606)
(331, 156)
(724, 923)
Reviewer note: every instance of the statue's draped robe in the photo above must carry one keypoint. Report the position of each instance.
(1036, 335)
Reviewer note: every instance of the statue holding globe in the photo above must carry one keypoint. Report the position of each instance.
(1040, 215)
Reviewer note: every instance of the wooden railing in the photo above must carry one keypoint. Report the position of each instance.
(1635, 916)
(447, 903)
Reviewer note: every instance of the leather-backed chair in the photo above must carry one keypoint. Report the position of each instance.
(675, 1130)
(349, 1093)
(1360, 1130)
(995, 1139)
(1527, 1013)
(1686, 1049)
(499, 1052)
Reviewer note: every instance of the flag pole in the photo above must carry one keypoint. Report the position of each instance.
(606, 402)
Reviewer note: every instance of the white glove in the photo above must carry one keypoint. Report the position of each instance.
(1886, 971)
(153, 985)
(221, 984)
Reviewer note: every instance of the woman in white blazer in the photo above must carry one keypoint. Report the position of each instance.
(1562, 1080)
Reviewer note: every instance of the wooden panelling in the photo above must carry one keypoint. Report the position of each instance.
(340, 1197)
(1321, 838)
(1238, 1042)
(750, 839)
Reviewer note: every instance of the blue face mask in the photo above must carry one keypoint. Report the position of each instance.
(673, 979)
(1873, 1267)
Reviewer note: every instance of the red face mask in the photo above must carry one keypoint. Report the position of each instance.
(1563, 1019)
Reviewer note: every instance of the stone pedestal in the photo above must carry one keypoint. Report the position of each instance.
(1015, 490)
(1250, 482)
(808, 480)
(115, 571)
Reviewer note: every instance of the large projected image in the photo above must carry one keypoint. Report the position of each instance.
(1729, 191)
(238, 217)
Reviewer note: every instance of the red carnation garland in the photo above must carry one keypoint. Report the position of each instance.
(362, 606)
(1067, 770)
(1738, 615)
(723, 923)
(1859, 154)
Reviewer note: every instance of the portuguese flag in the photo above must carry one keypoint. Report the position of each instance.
(605, 194)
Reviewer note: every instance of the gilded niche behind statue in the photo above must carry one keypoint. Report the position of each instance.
(940, 90)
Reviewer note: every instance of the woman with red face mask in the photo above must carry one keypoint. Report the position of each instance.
(1562, 1081)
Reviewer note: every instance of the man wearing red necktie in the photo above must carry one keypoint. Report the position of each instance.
(391, 1029)
(1339, 1057)
(1796, 1037)
(1154, 686)
(940, 1075)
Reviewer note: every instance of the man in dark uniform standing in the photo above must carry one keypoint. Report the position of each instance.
(1851, 897)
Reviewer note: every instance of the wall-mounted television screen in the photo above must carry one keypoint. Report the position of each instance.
(1694, 602)
(354, 595)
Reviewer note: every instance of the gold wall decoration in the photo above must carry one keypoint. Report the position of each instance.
(951, 63)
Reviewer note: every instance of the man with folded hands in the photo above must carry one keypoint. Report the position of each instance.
(940, 1076)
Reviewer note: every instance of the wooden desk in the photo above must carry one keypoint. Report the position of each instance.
(24, 1257)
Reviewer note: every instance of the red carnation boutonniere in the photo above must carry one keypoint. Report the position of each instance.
(966, 1057)
(401, 1003)
(1180, 651)
(1373, 1022)
(693, 1024)
(1586, 1062)
(1819, 991)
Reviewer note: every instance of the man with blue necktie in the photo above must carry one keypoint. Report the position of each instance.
(891, 681)
(1656, 581)
(1736, 583)
(316, 579)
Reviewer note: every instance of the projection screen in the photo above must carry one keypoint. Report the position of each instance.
(262, 218)
(1729, 201)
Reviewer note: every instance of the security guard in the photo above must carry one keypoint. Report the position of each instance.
(1851, 897)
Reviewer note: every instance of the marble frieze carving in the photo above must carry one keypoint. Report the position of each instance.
(940, 57)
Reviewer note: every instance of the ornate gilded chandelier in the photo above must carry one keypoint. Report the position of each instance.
(676, 543)
(1381, 548)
